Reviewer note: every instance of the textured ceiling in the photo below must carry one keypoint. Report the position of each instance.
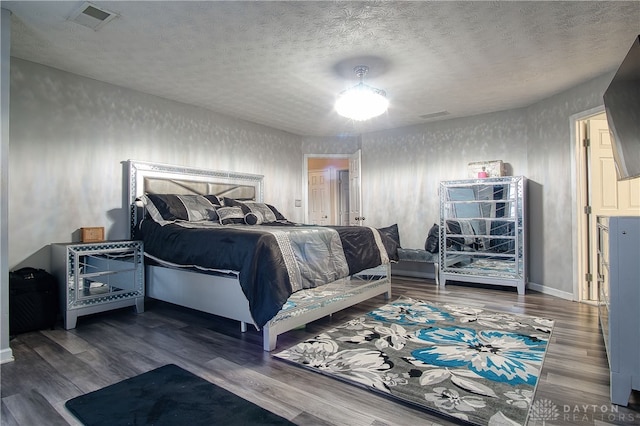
(282, 64)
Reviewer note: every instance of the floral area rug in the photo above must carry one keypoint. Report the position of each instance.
(465, 363)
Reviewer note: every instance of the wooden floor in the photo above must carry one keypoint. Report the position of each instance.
(53, 366)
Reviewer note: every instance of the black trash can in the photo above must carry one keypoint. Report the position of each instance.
(33, 300)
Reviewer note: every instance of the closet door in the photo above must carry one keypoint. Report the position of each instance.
(320, 197)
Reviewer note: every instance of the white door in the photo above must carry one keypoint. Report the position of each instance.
(343, 197)
(320, 197)
(355, 193)
(613, 197)
(607, 195)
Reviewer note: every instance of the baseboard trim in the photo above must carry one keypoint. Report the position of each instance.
(401, 272)
(550, 291)
(6, 355)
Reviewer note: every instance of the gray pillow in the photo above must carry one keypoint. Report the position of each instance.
(230, 215)
(171, 207)
(431, 245)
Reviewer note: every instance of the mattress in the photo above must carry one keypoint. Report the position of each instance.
(272, 261)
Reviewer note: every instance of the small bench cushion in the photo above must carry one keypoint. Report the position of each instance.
(416, 255)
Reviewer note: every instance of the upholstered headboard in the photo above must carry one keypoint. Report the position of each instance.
(157, 178)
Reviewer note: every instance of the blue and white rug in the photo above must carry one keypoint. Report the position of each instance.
(465, 363)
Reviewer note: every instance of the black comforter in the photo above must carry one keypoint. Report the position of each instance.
(256, 253)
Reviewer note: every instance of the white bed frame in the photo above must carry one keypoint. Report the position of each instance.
(221, 294)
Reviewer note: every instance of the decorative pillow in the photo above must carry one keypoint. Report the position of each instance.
(229, 215)
(214, 199)
(453, 228)
(279, 216)
(232, 202)
(391, 240)
(431, 245)
(170, 207)
(253, 218)
(462, 228)
(261, 208)
(269, 212)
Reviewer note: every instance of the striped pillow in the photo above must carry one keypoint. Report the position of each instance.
(172, 207)
(230, 215)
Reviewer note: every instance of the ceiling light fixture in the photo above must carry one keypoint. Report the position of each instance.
(362, 102)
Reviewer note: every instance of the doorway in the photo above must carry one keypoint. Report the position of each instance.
(327, 189)
(599, 194)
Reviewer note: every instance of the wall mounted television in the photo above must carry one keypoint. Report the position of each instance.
(622, 107)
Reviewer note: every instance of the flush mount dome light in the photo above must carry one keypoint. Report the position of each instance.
(362, 102)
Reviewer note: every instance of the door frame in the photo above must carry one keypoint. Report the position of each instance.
(305, 179)
(580, 178)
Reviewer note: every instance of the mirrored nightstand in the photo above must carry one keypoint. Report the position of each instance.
(99, 277)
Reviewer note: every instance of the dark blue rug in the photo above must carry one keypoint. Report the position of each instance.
(170, 396)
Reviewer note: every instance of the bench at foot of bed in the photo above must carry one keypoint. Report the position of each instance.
(417, 263)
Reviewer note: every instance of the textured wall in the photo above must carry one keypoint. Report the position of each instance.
(552, 197)
(337, 145)
(402, 168)
(5, 49)
(69, 136)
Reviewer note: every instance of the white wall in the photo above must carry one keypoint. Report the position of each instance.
(69, 136)
(402, 168)
(6, 353)
(335, 145)
(552, 191)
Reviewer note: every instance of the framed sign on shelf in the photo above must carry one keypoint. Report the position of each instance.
(486, 169)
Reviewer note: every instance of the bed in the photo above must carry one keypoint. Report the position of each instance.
(244, 260)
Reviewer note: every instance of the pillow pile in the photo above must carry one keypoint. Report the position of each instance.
(165, 208)
(255, 212)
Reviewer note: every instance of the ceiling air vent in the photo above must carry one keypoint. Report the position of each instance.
(92, 16)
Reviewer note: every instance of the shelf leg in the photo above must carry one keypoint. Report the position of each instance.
(442, 280)
(139, 305)
(70, 320)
